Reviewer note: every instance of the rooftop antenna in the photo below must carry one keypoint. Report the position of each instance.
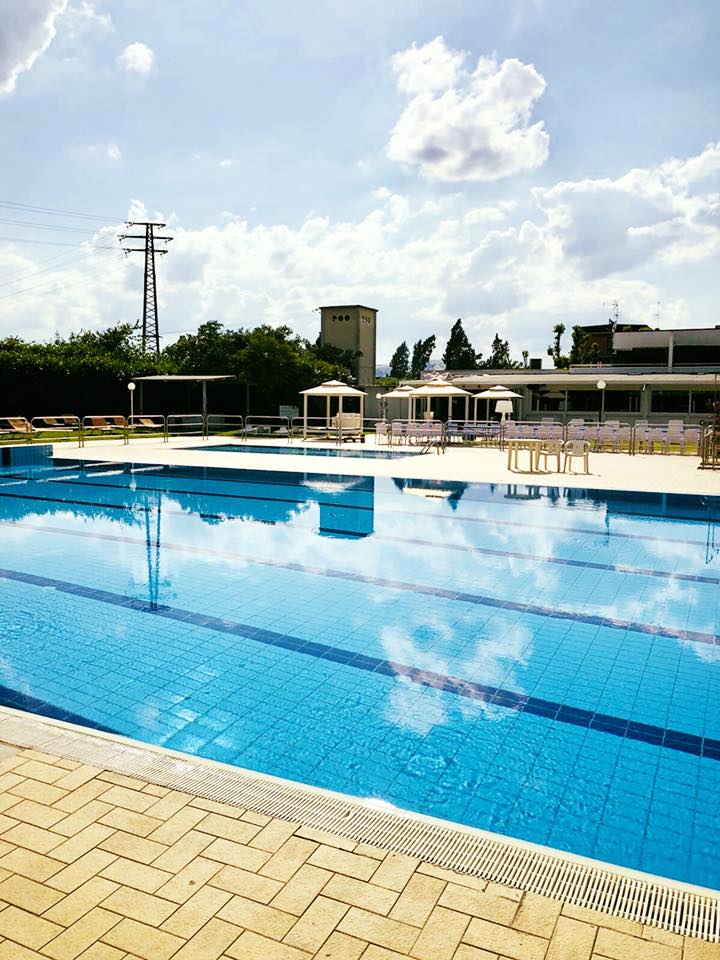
(657, 314)
(615, 311)
(150, 327)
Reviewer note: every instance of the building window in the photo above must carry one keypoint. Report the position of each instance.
(670, 401)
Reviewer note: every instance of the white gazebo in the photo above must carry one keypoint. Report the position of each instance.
(404, 392)
(498, 392)
(331, 389)
(441, 388)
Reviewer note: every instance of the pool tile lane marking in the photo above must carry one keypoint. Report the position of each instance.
(688, 636)
(495, 696)
(23, 701)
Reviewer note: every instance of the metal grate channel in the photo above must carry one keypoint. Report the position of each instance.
(678, 908)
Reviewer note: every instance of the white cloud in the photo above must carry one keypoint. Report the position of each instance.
(27, 29)
(227, 163)
(461, 125)
(83, 15)
(113, 152)
(136, 58)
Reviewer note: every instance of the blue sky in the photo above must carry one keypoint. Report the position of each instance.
(518, 164)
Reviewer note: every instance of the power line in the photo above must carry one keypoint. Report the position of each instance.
(47, 285)
(56, 212)
(46, 243)
(58, 256)
(47, 226)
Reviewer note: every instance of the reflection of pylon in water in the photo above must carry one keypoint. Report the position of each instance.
(712, 543)
(152, 549)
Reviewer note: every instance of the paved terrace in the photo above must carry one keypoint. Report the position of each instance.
(657, 473)
(100, 866)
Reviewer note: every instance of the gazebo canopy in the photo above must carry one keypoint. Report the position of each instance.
(498, 392)
(397, 393)
(439, 388)
(333, 388)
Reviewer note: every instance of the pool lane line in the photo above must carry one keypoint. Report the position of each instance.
(587, 531)
(495, 696)
(23, 701)
(690, 636)
(305, 568)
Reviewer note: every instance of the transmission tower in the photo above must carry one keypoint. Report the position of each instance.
(150, 327)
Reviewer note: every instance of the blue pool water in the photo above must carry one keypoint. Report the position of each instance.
(308, 451)
(534, 661)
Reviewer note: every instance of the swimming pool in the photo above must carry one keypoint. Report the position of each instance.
(390, 454)
(538, 662)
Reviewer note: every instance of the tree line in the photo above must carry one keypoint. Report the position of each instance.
(88, 372)
(459, 354)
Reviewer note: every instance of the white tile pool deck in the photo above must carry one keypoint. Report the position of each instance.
(102, 867)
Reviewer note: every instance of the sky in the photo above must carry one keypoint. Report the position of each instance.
(516, 164)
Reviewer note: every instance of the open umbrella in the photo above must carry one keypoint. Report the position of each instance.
(441, 388)
(498, 392)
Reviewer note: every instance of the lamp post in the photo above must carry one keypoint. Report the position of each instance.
(131, 388)
(601, 387)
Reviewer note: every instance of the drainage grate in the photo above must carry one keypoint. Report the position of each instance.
(678, 908)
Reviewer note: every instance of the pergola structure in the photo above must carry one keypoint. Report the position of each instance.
(204, 379)
(331, 389)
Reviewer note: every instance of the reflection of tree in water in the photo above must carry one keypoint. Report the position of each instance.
(451, 491)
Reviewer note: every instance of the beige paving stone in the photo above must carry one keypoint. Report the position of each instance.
(169, 803)
(138, 824)
(273, 835)
(500, 890)
(660, 936)
(7, 822)
(177, 825)
(370, 850)
(155, 790)
(258, 818)
(182, 851)
(102, 951)
(137, 905)
(129, 799)
(82, 934)
(133, 848)
(37, 770)
(450, 876)
(32, 838)
(252, 946)
(537, 914)
(340, 861)
(339, 946)
(441, 935)
(7, 800)
(195, 912)
(35, 866)
(28, 894)
(257, 917)
(77, 777)
(74, 875)
(378, 930)
(235, 854)
(212, 806)
(374, 952)
(139, 876)
(86, 793)
(478, 903)
(228, 828)
(621, 946)
(210, 942)
(514, 944)
(602, 919)
(247, 884)
(316, 924)
(187, 881)
(75, 822)
(8, 781)
(329, 839)
(27, 929)
(572, 940)
(142, 940)
(395, 871)
(419, 896)
(299, 892)
(39, 814)
(82, 842)
(132, 783)
(360, 893)
(81, 901)
(34, 790)
(466, 952)
(13, 951)
(700, 950)
(289, 858)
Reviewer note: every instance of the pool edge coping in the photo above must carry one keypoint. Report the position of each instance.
(678, 907)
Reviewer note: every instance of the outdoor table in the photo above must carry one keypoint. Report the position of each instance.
(531, 444)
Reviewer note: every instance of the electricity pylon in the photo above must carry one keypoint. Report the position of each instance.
(150, 326)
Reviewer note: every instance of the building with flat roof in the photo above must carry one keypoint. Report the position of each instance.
(352, 327)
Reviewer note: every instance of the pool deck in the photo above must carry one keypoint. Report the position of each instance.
(653, 473)
(101, 866)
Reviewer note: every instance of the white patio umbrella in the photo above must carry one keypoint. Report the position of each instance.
(330, 389)
(498, 392)
(441, 388)
(403, 392)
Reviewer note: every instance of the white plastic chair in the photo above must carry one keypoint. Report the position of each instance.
(575, 449)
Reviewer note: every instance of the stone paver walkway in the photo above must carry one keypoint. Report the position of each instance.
(98, 866)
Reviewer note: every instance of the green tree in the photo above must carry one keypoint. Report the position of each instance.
(499, 357)
(422, 351)
(400, 362)
(555, 350)
(583, 350)
(459, 353)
